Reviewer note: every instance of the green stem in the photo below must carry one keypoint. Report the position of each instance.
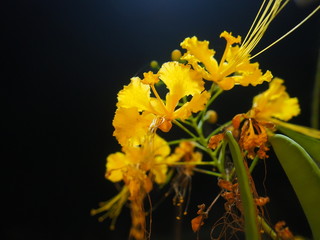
(184, 129)
(253, 164)
(173, 142)
(207, 172)
(213, 97)
(249, 208)
(221, 159)
(192, 163)
(218, 92)
(267, 229)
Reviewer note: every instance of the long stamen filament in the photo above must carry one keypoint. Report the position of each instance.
(289, 32)
(259, 27)
(266, 14)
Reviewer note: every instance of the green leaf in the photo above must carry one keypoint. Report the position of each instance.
(304, 176)
(250, 214)
(310, 144)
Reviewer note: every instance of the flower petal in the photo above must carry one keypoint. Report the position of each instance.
(116, 166)
(136, 94)
(275, 102)
(199, 52)
(196, 104)
(131, 127)
(180, 79)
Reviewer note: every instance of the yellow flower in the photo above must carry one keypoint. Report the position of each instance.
(137, 166)
(276, 106)
(185, 153)
(131, 127)
(148, 157)
(180, 80)
(274, 103)
(233, 68)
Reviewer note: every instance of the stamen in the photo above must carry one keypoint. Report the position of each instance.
(267, 12)
(289, 32)
(260, 25)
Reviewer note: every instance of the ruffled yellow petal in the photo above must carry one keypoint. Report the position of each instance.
(136, 94)
(159, 150)
(160, 147)
(275, 103)
(233, 68)
(196, 104)
(180, 79)
(244, 72)
(199, 52)
(116, 166)
(185, 153)
(160, 173)
(131, 127)
(254, 78)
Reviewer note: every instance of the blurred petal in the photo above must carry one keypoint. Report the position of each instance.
(130, 126)
(136, 94)
(116, 165)
(196, 104)
(180, 79)
(275, 102)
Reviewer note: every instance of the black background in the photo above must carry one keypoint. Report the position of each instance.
(63, 64)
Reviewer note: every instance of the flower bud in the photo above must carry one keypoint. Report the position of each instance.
(154, 64)
(211, 116)
(176, 55)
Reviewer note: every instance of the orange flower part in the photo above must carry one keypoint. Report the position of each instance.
(253, 135)
(197, 222)
(215, 140)
(282, 231)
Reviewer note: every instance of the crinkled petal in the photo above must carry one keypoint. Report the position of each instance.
(196, 104)
(180, 79)
(136, 94)
(275, 102)
(160, 147)
(199, 52)
(116, 166)
(131, 127)
(160, 173)
(244, 73)
(249, 73)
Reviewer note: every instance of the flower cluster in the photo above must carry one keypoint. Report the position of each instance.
(179, 93)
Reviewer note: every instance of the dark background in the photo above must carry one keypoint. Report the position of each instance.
(63, 64)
